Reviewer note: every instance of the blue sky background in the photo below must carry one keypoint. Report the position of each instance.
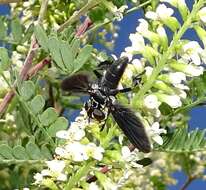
(198, 115)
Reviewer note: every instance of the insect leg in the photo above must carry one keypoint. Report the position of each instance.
(114, 92)
(137, 79)
(102, 127)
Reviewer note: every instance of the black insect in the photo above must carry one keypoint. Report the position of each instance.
(102, 100)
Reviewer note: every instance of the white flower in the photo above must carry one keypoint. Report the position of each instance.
(162, 12)
(125, 152)
(154, 133)
(161, 31)
(132, 157)
(138, 64)
(61, 152)
(61, 177)
(138, 43)
(177, 77)
(192, 70)
(9, 118)
(62, 134)
(181, 86)
(75, 132)
(192, 51)
(151, 101)
(46, 172)
(56, 165)
(148, 71)
(38, 178)
(143, 26)
(181, 93)
(93, 186)
(95, 152)
(202, 14)
(175, 2)
(118, 12)
(127, 54)
(172, 100)
(17, 59)
(76, 151)
(128, 73)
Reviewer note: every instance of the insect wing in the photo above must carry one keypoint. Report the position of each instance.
(131, 126)
(76, 83)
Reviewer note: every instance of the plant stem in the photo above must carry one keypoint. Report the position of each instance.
(190, 179)
(113, 19)
(34, 46)
(90, 4)
(9, 1)
(27, 63)
(13, 161)
(78, 175)
(140, 95)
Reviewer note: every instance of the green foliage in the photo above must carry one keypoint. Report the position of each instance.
(23, 154)
(180, 141)
(4, 59)
(3, 29)
(48, 121)
(16, 29)
(69, 57)
(41, 37)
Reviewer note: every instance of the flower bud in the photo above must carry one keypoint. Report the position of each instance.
(22, 49)
(191, 70)
(164, 87)
(172, 100)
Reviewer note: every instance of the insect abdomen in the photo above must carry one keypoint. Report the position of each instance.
(114, 73)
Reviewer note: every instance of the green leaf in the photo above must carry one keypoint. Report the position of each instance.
(183, 142)
(33, 151)
(6, 151)
(37, 104)
(54, 48)
(48, 116)
(97, 14)
(3, 31)
(27, 90)
(16, 29)
(28, 33)
(45, 152)
(104, 180)
(165, 109)
(41, 37)
(19, 152)
(77, 176)
(67, 56)
(60, 124)
(4, 59)
(75, 46)
(83, 57)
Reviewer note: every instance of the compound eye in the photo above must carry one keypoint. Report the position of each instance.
(98, 114)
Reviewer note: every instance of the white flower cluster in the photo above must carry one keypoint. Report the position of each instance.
(55, 170)
(186, 62)
(72, 150)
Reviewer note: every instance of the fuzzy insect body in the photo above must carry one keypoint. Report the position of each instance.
(102, 94)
